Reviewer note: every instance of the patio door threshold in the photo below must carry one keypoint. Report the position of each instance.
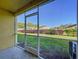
(31, 50)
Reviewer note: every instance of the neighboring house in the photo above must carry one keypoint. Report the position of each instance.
(20, 29)
(45, 27)
(72, 29)
(58, 32)
(45, 31)
(74, 26)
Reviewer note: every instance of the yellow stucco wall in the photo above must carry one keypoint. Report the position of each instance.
(6, 30)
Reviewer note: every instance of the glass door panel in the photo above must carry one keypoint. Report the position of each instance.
(55, 33)
(31, 32)
(20, 30)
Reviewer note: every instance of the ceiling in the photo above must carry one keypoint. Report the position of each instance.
(12, 5)
(16, 6)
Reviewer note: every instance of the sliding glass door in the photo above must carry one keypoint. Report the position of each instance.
(48, 30)
(57, 27)
(31, 38)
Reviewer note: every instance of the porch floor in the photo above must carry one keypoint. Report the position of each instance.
(16, 53)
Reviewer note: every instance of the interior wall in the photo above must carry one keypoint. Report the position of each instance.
(7, 38)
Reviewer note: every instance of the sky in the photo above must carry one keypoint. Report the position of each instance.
(59, 12)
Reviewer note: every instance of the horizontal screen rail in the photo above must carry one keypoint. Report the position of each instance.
(33, 14)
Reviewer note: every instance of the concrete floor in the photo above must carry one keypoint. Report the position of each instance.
(16, 53)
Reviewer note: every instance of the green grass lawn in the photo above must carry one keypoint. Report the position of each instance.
(50, 44)
(45, 41)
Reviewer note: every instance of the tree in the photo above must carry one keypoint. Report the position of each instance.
(67, 31)
(62, 26)
(30, 25)
(70, 32)
(74, 32)
(20, 25)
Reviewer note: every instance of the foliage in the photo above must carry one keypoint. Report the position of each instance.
(20, 25)
(70, 32)
(31, 25)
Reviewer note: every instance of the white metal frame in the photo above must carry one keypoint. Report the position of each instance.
(29, 15)
(33, 14)
(15, 30)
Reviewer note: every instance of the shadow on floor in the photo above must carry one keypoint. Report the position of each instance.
(16, 53)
